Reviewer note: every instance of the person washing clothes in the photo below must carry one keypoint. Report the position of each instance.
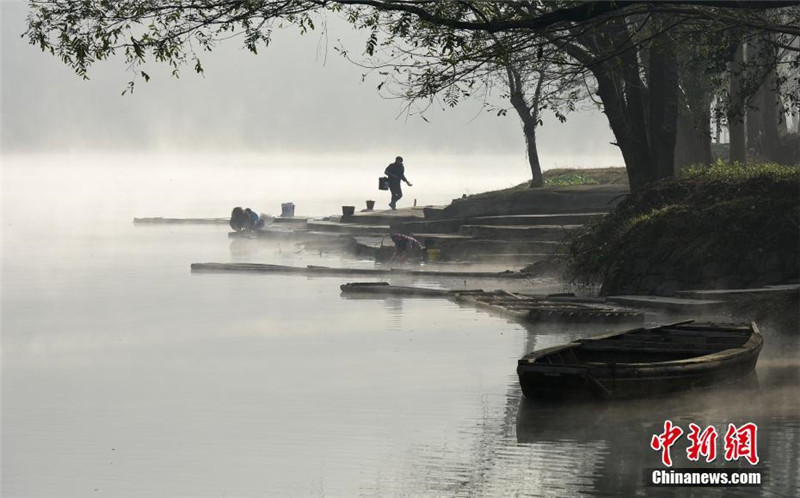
(396, 174)
(407, 248)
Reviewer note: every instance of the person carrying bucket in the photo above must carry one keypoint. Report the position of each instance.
(396, 174)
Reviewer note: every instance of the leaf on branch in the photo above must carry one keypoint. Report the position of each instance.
(372, 43)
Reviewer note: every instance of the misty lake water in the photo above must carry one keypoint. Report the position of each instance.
(126, 375)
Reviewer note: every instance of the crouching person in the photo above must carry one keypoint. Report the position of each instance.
(407, 248)
(240, 221)
(245, 219)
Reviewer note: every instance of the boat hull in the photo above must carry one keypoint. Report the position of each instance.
(606, 380)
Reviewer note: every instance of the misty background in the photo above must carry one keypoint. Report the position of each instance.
(298, 96)
(294, 123)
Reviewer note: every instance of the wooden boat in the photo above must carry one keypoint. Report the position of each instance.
(642, 361)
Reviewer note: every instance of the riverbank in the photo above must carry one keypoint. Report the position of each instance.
(719, 228)
(726, 227)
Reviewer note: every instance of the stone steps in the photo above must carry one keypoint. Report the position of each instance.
(513, 232)
(453, 225)
(350, 228)
(386, 217)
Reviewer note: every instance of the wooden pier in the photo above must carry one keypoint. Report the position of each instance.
(331, 271)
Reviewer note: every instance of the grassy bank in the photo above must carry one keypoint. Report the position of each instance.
(595, 176)
(564, 177)
(722, 226)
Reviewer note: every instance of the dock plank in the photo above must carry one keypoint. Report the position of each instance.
(665, 303)
(330, 271)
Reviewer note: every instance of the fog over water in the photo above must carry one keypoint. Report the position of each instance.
(125, 375)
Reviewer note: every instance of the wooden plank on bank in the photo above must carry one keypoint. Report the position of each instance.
(180, 221)
(384, 289)
(666, 303)
(536, 309)
(326, 270)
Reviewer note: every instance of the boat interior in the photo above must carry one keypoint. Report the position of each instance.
(668, 343)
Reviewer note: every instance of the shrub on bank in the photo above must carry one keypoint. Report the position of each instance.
(723, 226)
(721, 170)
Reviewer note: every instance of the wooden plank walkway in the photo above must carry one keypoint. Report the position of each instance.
(330, 271)
(180, 221)
(535, 309)
(667, 303)
(523, 307)
(733, 293)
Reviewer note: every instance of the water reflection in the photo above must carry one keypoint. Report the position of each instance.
(623, 430)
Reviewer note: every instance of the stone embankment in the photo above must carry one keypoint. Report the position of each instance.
(517, 227)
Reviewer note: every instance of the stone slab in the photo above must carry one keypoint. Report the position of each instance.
(453, 225)
(534, 232)
(352, 228)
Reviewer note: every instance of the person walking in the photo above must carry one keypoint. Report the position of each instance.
(396, 174)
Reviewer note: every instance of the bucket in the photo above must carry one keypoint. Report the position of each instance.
(370, 205)
(348, 210)
(287, 210)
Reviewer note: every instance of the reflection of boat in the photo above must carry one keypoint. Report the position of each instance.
(384, 289)
(642, 361)
(586, 420)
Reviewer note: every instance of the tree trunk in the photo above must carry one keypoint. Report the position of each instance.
(692, 146)
(537, 180)
(736, 114)
(771, 146)
(663, 84)
(622, 92)
(693, 139)
(755, 123)
(614, 61)
(529, 115)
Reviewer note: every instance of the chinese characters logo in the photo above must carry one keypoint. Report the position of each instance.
(740, 442)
